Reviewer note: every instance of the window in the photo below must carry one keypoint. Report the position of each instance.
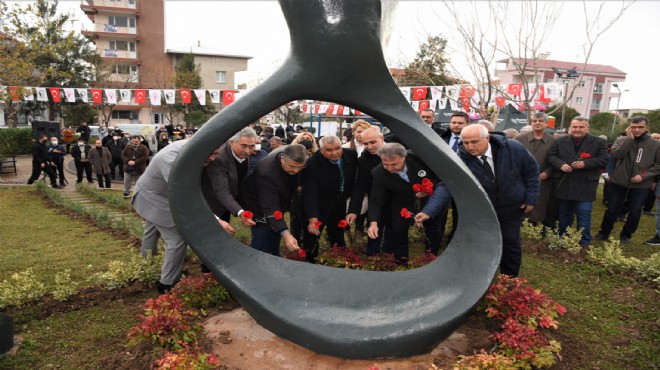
(582, 83)
(595, 104)
(125, 114)
(121, 21)
(579, 100)
(221, 77)
(598, 89)
(125, 69)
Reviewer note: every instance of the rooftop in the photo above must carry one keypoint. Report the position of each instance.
(200, 50)
(548, 64)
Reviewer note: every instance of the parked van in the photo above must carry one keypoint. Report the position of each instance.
(146, 131)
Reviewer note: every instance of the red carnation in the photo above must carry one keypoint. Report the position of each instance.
(302, 253)
(427, 188)
(405, 213)
(277, 215)
(342, 224)
(426, 182)
(642, 172)
(585, 155)
(317, 224)
(417, 188)
(247, 215)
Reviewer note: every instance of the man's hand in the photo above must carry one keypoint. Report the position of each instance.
(311, 227)
(629, 133)
(290, 242)
(637, 179)
(420, 218)
(372, 231)
(43, 165)
(566, 168)
(420, 195)
(350, 218)
(131, 163)
(528, 207)
(247, 221)
(227, 227)
(543, 176)
(578, 164)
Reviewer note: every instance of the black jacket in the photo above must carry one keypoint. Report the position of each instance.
(366, 163)
(115, 147)
(320, 193)
(76, 153)
(39, 153)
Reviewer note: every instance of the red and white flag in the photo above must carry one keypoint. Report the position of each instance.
(436, 92)
(514, 89)
(419, 92)
(186, 98)
(500, 101)
(140, 96)
(154, 96)
(111, 95)
(467, 90)
(97, 96)
(13, 92)
(70, 95)
(423, 104)
(84, 96)
(228, 96)
(201, 96)
(323, 109)
(55, 94)
(304, 108)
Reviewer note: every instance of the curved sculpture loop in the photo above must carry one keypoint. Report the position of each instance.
(336, 56)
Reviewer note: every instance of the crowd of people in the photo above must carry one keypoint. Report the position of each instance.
(372, 183)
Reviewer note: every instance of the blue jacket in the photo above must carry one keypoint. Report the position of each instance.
(516, 178)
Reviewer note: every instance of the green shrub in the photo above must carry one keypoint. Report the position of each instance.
(14, 141)
(64, 286)
(23, 287)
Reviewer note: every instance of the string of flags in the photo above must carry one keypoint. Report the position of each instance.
(116, 96)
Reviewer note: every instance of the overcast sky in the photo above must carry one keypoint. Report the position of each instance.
(258, 29)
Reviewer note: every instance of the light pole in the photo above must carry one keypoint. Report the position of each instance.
(616, 114)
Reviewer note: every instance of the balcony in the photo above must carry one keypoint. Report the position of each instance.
(111, 30)
(109, 6)
(120, 55)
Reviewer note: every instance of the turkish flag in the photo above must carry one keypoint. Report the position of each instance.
(419, 92)
(499, 101)
(514, 89)
(140, 96)
(55, 94)
(423, 104)
(304, 108)
(228, 96)
(97, 96)
(542, 97)
(13, 91)
(467, 91)
(186, 98)
(466, 103)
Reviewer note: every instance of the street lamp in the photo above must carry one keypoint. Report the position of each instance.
(616, 114)
(570, 74)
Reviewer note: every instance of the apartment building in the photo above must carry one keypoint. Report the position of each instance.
(593, 93)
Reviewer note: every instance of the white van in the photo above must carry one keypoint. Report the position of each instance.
(148, 132)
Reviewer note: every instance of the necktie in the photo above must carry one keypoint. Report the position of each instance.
(455, 146)
(489, 170)
(404, 176)
(341, 176)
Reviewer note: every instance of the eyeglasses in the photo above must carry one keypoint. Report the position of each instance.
(637, 127)
(538, 120)
(293, 168)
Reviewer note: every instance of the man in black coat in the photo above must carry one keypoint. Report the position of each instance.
(327, 184)
(268, 193)
(116, 146)
(372, 139)
(84, 131)
(577, 160)
(80, 154)
(394, 199)
(41, 162)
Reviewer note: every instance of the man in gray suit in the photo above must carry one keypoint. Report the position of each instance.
(150, 201)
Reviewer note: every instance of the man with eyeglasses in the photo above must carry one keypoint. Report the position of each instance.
(538, 143)
(637, 163)
(268, 193)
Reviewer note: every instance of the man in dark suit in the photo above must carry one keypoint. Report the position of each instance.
(393, 190)
(327, 184)
(151, 202)
(268, 193)
(372, 139)
(80, 154)
(510, 176)
(41, 162)
(227, 172)
(577, 160)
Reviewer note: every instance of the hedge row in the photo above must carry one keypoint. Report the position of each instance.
(14, 141)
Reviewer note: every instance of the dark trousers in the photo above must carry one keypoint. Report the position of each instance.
(116, 162)
(100, 177)
(649, 202)
(36, 172)
(59, 164)
(510, 224)
(84, 166)
(618, 196)
(395, 238)
(330, 222)
(265, 241)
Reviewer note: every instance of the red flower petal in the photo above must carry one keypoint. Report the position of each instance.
(247, 215)
(342, 224)
(277, 215)
(317, 224)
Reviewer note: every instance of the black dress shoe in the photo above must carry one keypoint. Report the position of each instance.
(601, 236)
(163, 288)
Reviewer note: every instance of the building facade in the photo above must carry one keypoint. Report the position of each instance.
(593, 93)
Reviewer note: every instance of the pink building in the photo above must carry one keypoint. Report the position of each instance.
(593, 93)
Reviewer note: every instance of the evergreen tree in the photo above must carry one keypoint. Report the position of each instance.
(429, 68)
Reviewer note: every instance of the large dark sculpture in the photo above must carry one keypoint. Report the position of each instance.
(336, 56)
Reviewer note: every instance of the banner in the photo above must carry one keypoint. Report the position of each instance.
(154, 96)
(201, 96)
(111, 96)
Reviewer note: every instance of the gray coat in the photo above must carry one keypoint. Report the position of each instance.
(539, 149)
(100, 162)
(640, 156)
(581, 184)
(224, 178)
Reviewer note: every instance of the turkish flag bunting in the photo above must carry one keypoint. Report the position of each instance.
(97, 96)
(466, 103)
(467, 91)
(140, 96)
(13, 91)
(55, 93)
(228, 96)
(186, 98)
(514, 89)
(419, 92)
(499, 101)
(423, 104)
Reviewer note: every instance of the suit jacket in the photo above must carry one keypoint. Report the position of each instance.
(224, 178)
(140, 156)
(581, 184)
(320, 194)
(268, 189)
(39, 153)
(100, 162)
(366, 163)
(76, 153)
(390, 193)
(539, 149)
(150, 198)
